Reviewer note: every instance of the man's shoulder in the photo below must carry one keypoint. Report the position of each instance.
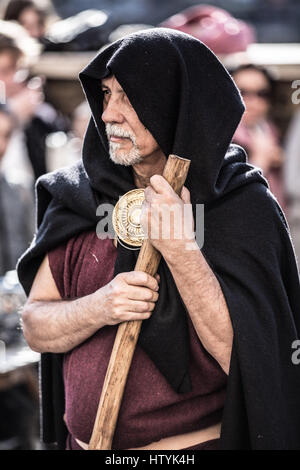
(72, 175)
(262, 204)
(251, 210)
(254, 198)
(68, 187)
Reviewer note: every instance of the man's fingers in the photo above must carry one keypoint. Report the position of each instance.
(139, 278)
(139, 306)
(142, 293)
(160, 184)
(132, 316)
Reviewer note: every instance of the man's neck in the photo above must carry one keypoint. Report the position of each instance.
(143, 171)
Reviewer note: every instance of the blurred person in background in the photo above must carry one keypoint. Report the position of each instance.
(81, 117)
(16, 206)
(28, 15)
(26, 156)
(256, 132)
(64, 149)
(292, 178)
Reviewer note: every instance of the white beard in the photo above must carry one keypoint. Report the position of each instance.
(126, 158)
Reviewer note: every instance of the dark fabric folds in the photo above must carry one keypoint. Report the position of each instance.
(187, 100)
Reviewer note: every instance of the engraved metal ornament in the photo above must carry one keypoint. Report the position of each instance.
(126, 218)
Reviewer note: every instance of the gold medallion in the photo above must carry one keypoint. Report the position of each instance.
(126, 218)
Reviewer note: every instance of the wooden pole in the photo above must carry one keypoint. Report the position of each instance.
(175, 173)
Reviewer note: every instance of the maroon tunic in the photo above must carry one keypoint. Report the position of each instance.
(151, 409)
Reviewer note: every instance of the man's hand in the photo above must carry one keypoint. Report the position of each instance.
(166, 218)
(129, 296)
(51, 324)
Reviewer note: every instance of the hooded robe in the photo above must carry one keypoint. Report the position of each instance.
(187, 100)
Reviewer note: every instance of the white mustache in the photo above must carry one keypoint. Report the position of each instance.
(115, 130)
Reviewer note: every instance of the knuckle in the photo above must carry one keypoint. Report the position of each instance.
(140, 307)
(114, 316)
(113, 288)
(117, 286)
(125, 277)
(128, 275)
(143, 307)
(156, 179)
(133, 275)
(136, 307)
(122, 291)
(149, 295)
(115, 300)
(143, 277)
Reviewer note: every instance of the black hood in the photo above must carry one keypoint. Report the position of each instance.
(182, 94)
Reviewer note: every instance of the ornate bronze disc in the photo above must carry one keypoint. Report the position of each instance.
(126, 218)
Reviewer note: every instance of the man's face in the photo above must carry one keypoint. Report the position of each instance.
(6, 126)
(129, 141)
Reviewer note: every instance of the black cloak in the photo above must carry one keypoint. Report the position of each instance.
(189, 103)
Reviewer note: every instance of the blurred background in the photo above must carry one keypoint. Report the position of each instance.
(43, 116)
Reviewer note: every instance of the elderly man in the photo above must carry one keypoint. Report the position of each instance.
(213, 366)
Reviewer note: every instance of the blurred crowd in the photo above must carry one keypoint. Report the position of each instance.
(35, 137)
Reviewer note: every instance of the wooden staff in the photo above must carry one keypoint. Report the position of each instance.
(175, 173)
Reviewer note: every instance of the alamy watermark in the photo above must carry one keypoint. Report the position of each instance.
(172, 223)
(296, 354)
(296, 93)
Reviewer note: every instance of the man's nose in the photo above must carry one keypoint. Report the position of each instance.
(111, 113)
